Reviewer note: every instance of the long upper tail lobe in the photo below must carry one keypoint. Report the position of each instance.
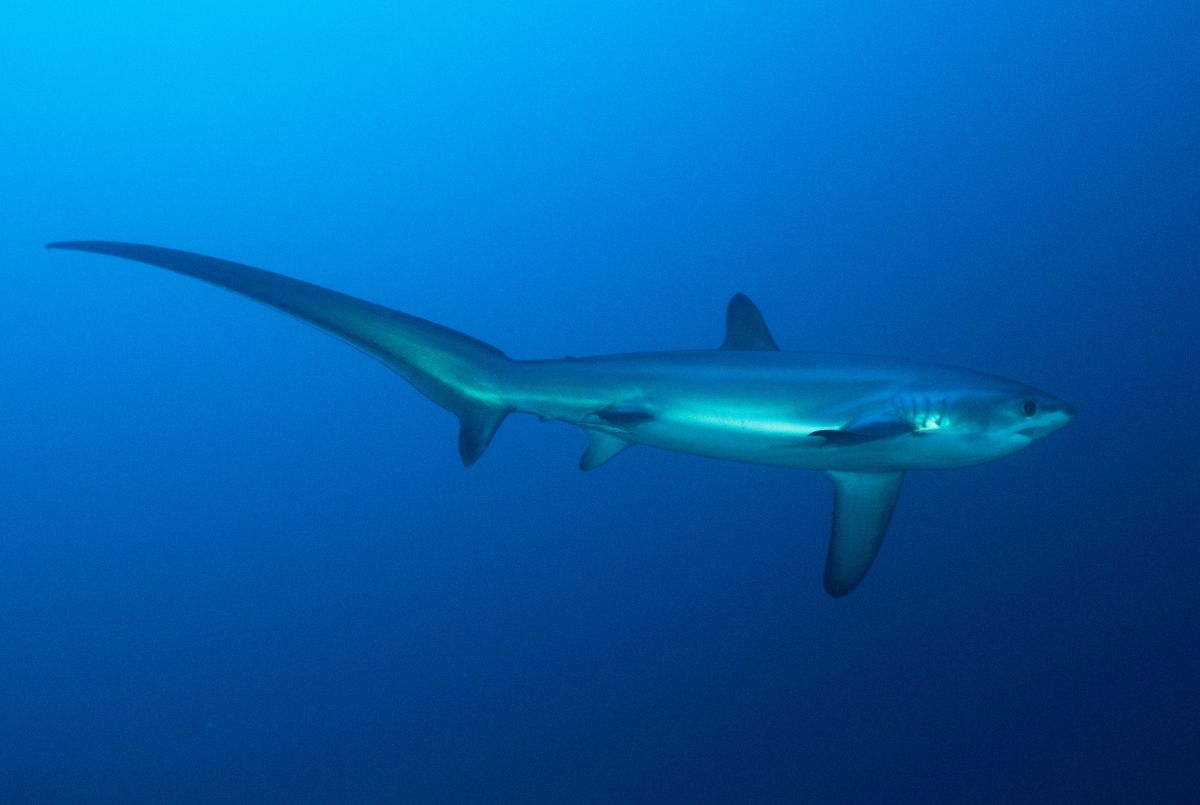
(459, 373)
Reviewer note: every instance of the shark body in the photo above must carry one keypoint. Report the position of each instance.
(864, 421)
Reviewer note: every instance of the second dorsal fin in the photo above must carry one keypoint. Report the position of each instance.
(744, 326)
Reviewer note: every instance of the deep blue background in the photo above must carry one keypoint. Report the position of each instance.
(240, 562)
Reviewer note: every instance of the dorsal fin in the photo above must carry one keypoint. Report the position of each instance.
(745, 327)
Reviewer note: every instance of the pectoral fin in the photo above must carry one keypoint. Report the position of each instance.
(865, 429)
(862, 507)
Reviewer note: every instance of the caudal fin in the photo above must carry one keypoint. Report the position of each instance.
(459, 373)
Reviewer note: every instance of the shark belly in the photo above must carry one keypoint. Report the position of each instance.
(748, 407)
(733, 407)
(769, 442)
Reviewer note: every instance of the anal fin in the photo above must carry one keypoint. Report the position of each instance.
(601, 447)
(477, 425)
(862, 509)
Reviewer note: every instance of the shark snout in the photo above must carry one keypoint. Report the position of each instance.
(1052, 415)
(1062, 410)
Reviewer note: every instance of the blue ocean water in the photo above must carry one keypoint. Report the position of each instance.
(242, 563)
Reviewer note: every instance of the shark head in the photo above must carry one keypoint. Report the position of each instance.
(985, 421)
(1039, 414)
(1018, 414)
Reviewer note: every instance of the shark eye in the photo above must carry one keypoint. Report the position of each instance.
(1029, 408)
